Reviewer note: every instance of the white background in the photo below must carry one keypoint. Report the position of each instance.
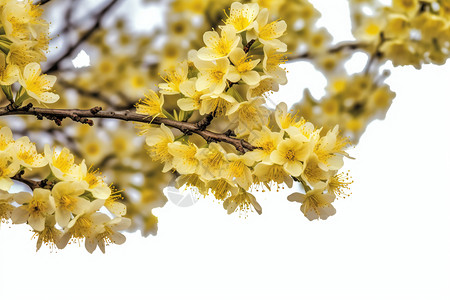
(389, 240)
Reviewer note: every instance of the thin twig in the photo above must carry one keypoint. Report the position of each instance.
(83, 38)
(352, 45)
(33, 184)
(30, 183)
(376, 54)
(42, 2)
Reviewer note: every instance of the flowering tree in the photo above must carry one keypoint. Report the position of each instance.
(208, 126)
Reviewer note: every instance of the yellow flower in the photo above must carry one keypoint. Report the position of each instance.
(6, 139)
(62, 163)
(243, 201)
(67, 200)
(406, 6)
(170, 55)
(283, 118)
(242, 68)
(370, 29)
(192, 99)
(218, 104)
(26, 154)
(113, 205)
(339, 185)
(313, 174)
(108, 235)
(184, 160)
(221, 188)
(123, 143)
(266, 141)
(94, 147)
(23, 53)
(304, 131)
(401, 54)
(298, 129)
(315, 204)
(319, 40)
(6, 208)
(269, 172)
(242, 16)
(273, 5)
(96, 184)
(271, 64)
(212, 161)
(381, 98)
(8, 168)
(193, 6)
(8, 73)
(22, 20)
(328, 146)
(267, 84)
(219, 46)
(397, 26)
(238, 170)
(38, 207)
(151, 105)
(193, 181)
(49, 236)
(158, 140)
(213, 75)
(87, 224)
(268, 33)
(249, 115)
(291, 154)
(175, 77)
(38, 86)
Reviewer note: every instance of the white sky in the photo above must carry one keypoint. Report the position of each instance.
(389, 240)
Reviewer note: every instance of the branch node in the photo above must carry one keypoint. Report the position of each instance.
(28, 107)
(205, 122)
(230, 133)
(248, 46)
(95, 110)
(186, 131)
(12, 107)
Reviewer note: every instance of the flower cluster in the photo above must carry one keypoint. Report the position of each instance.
(409, 32)
(23, 43)
(224, 82)
(66, 204)
(121, 72)
(352, 102)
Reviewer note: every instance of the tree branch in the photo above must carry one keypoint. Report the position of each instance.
(30, 183)
(83, 38)
(352, 45)
(42, 2)
(33, 184)
(85, 116)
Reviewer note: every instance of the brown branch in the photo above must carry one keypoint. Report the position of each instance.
(74, 25)
(33, 184)
(30, 183)
(86, 116)
(249, 45)
(375, 55)
(353, 45)
(54, 66)
(205, 122)
(246, 50)
(42, 2)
